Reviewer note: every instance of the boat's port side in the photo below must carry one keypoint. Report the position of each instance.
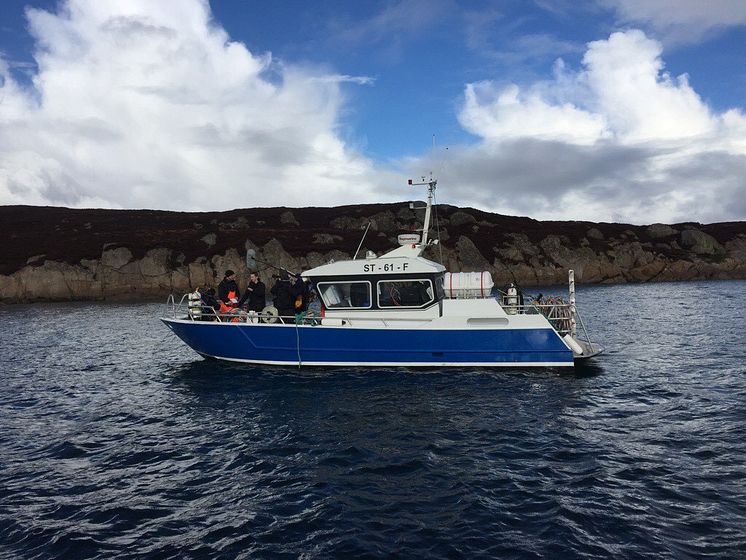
(350, 345)
(395, 309)
(450, 332)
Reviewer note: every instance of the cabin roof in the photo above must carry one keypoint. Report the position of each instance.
(378, 266)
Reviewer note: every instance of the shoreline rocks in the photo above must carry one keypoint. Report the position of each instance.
(61, 254)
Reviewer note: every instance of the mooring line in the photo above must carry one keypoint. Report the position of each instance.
(297, 342)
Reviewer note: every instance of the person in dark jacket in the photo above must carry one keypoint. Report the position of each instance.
(283, 296)
(228, 291)
(300, 291)
(255, 294)
(210, 304)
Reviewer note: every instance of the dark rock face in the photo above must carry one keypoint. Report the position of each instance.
(65, 254)
(459, 218)
(699, 242)
(657, 231)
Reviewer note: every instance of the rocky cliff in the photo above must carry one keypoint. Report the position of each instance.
(64, 254)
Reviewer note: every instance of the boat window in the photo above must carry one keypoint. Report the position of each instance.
(345, 295)
(405, 293)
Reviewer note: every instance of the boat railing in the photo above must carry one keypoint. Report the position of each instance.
(190, 309)
(582, 326)
(193, 309)
(176, 310)
(241, 316)
(557, 313)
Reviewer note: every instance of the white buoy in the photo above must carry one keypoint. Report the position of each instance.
(512, 300)
(195, 305)
(573, 320)
(573, 344)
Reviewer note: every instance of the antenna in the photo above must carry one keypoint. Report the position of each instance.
(361, 241)
(251, 261)
(437, 220)
(443, 162)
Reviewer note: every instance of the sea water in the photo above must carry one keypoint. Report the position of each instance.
(116, 440)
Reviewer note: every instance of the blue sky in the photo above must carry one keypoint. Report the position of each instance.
(607, 110)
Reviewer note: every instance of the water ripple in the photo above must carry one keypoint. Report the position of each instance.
(116, 441)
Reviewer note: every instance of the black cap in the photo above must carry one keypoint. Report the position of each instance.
(229, 272)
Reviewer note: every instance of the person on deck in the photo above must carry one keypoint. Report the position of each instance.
(283, 296)
(300, 290)
(255, 294)
(228, 291)
(210, 305)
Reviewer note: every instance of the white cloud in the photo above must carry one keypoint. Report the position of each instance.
(149, 104)
(619, 140)
(641, 101)
(507, 113)
(681, 21)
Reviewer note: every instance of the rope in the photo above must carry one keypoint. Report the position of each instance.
(297, 344)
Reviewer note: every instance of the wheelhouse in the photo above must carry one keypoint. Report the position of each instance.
(389, 292)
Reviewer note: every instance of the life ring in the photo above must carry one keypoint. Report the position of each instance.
(269, 314)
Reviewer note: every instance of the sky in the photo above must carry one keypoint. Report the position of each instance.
(605, 110)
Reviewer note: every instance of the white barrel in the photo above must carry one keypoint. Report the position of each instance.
(511, 300)
(574, 346)
(468, 284)
(195, 304)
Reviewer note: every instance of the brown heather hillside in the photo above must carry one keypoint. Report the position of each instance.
(54, 253)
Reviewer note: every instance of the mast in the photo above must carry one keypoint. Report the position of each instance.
(430, 190)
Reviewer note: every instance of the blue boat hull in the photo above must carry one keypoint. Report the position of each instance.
(331, 346)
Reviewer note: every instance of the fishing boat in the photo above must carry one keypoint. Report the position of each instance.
(397, 309)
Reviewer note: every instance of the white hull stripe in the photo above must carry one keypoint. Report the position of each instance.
(395, 364)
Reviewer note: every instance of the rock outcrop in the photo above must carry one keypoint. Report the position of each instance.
(65, 254)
